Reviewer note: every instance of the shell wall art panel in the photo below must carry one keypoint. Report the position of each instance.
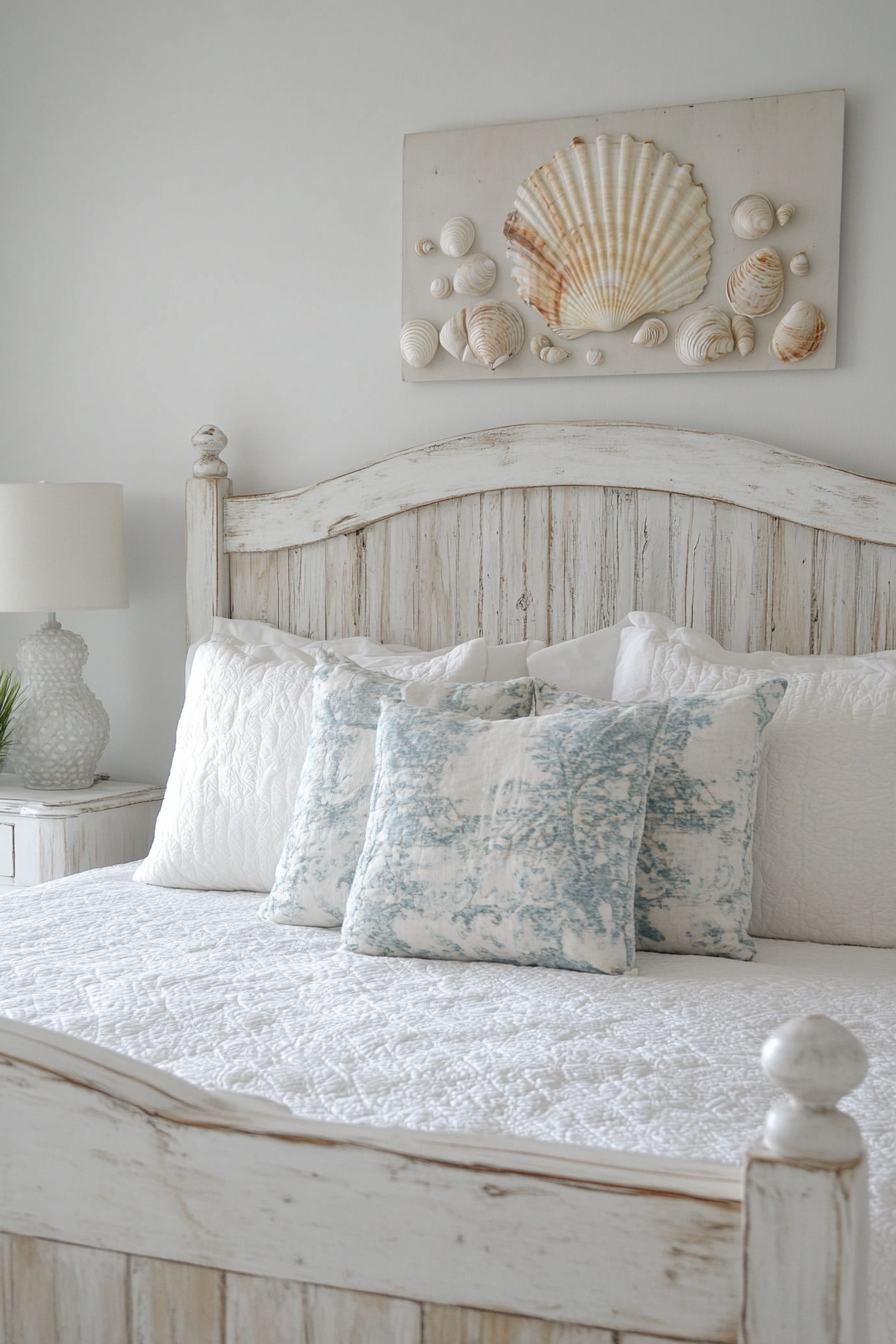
(574, 248)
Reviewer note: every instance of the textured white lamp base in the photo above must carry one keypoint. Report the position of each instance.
(61, 729)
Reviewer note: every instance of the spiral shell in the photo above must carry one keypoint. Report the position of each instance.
(595, 357)
(744, 334)
(606, 232)
(457, 236)
(547, 351)
(419, 342)
(785, 213)
(799, 333)
(799, 263)
(704, 336)
(476, 274)
(752, 216)
(440, 287)
(489, 335)
(423, 246)
(756, 286)
(653, 332)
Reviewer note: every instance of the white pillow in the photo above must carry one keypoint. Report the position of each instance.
(584, 665)
(240, 748)
(505, 841)
(824, 848)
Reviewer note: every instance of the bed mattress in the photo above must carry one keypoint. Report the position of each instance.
(665, 1061)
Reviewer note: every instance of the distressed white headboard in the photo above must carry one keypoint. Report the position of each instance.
(549, 531)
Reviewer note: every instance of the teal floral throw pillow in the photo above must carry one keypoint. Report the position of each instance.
(505, 841)
(326, 836)
(695, 866)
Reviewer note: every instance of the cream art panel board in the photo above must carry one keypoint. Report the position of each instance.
(787, 148)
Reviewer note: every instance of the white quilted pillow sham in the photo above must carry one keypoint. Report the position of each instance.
(824, 849)
(240, 748)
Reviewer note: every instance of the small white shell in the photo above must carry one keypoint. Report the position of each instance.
(595, 357)
(652, 332)
(419, 342)
(752, 216)
(440, 287)
(424, 245)
(476, 274)
(756, 286)
(546, 350)
(799, 263)
(785, 213)
(799, 333)
(704, 336)
(457, 236)
(744, 334)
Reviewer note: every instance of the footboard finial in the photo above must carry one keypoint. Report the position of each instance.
(816, 1061)
(211, 442)
(806, 1195)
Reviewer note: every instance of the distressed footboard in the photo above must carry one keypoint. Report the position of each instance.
(137, 1209)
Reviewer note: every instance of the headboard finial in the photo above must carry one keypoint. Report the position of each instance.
(211, 441)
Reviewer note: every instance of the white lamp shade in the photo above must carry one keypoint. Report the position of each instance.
(62, 547)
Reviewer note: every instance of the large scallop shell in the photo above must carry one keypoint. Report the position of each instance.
(419, 342)
(756, 286)
(799, 333)
(489, 334)
(704, 336)
(457, 236)
(476, 274)
(653, 332)
(752, 216)
(606, 232)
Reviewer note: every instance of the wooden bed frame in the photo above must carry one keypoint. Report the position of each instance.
(137, 1209)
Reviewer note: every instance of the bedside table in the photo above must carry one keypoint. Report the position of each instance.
(54, 832)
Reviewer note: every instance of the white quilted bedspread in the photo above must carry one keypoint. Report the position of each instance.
(664, 1062)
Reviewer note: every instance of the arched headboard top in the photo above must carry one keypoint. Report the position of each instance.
(717, 467)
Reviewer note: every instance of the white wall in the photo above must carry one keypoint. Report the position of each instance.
(201, 221)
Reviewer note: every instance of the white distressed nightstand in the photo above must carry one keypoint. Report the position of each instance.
(47, 833)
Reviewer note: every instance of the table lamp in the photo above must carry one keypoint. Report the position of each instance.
(61, 549)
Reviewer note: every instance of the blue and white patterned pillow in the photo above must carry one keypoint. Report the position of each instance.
(505, 841)
(695, 867)
(327, 832)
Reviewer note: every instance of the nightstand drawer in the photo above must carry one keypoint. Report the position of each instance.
(49, 835)
(7, 849)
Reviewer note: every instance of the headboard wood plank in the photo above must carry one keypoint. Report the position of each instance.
(631, 457)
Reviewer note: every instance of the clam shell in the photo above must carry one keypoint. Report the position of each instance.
(653, 332)
(752, 216)
(489, 334)
(744, 334)
(457, 236)
(495, 332)
(424, 245)
(606, 232)
(785, 213)
(539, 343)
(476, 274)
(799, 333)
(704, 336)
(595, 357)
(419, 342)
(799, 263)
(440, 287)
(756, 286)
